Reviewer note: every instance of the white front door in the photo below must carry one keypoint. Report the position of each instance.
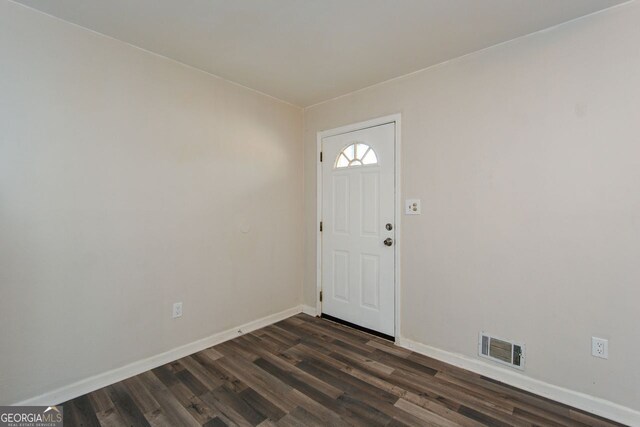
(358, 236)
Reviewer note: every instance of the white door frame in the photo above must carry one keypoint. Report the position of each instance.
(394, 118)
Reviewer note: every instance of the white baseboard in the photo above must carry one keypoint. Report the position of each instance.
(96, 382)
(311, 311)
(592, 404)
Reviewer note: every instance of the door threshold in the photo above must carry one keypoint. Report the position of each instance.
(358, 327)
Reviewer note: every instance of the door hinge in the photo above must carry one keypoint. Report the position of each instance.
(321, 156)
(321, 226)
(320, 296)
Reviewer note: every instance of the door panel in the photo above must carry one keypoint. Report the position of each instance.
(370, 280)
(341, 205)
(341, 275)
(369, 207)
(358, 271)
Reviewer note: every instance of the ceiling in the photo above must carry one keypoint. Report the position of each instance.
(308, 51)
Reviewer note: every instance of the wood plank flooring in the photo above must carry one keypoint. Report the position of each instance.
(306, 371)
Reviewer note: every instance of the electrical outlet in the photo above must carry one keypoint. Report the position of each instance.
(600, 347)
(412, 207)
(177, 309)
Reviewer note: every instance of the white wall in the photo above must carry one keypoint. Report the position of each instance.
(527, 159)
(128, 182)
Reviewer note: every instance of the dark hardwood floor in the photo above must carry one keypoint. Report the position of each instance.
(312, 372)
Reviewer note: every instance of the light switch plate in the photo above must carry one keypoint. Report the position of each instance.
(412, 207)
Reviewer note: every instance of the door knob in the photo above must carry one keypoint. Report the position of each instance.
(388, 241)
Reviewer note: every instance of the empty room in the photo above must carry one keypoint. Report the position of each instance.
(319, 213)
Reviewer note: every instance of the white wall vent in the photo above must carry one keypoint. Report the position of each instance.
(502, 351)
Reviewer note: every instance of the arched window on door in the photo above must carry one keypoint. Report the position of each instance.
(356, 154)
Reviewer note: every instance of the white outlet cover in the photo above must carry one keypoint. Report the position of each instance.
(412, 207)
(600, 347)
(177, 309)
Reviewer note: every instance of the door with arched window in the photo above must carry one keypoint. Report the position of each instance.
(358, 215)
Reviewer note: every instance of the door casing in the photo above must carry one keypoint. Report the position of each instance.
(394, 118)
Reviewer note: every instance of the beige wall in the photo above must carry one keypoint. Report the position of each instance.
(527, 159)
(129, 182)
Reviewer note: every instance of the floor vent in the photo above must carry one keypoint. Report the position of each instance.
(501, 351)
